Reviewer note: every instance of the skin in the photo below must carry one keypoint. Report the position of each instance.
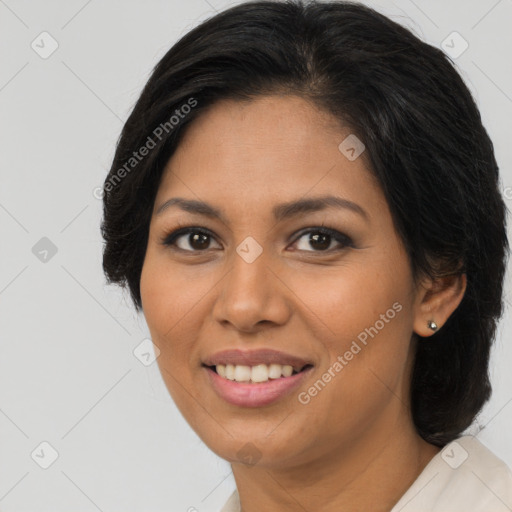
(357, 433)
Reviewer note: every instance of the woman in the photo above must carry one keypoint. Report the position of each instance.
(304, 205)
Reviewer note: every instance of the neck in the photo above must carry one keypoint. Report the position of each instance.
(370, 472)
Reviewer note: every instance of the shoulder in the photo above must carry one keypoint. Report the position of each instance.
(464, 475)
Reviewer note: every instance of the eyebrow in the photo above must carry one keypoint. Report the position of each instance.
(281, 211)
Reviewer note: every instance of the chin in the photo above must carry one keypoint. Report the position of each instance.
(251, 445)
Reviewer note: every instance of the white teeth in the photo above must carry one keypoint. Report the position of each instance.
(274, 371)
(258, 373)
(242, 373)
(230, 372)
(287, 370)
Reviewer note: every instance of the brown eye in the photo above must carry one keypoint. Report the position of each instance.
(198, 241)
(189, 239)
(321, 240)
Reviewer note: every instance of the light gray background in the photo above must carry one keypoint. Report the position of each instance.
(68, 375)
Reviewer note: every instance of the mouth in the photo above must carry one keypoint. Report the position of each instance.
(257, 374)
(255, 383)
(255, 378)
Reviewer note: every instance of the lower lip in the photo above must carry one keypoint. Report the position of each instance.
(256, 394)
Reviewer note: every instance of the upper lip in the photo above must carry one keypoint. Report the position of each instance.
(255, 357)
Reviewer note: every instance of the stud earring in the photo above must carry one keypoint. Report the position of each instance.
(432, 325)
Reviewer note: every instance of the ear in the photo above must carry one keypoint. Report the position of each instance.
(437, 299)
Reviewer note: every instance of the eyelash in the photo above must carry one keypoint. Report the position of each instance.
(170, 239)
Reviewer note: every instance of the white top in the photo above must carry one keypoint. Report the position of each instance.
(464, 476)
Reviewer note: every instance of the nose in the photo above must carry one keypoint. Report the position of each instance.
(252, 295)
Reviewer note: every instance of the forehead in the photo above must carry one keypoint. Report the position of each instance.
(270, 147)
(271, 123)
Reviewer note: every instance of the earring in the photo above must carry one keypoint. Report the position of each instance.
(432, 325)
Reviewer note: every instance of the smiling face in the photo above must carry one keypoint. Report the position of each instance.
(329, 285)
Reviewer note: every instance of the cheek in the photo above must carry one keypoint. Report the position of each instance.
(347, 299)
(157, 293)
(175, 303)
(363, 375)
(364, 316)
(166, 299)
(168, 294)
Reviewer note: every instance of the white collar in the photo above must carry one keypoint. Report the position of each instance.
(465, 475)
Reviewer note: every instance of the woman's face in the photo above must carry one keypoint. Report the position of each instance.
(266, 277)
